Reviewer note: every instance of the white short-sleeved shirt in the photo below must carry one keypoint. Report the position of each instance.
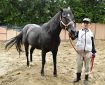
(84, 41)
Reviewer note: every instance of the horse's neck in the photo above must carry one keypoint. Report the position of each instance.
(53, 25)
(54, 30)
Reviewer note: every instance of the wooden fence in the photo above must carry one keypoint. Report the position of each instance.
(97, 29)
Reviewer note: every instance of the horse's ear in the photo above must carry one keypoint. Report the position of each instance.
(68, 8)
(61, 9)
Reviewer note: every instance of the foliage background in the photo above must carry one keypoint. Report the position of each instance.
(21, 12)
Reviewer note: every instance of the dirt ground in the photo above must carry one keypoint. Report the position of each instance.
(13, 69)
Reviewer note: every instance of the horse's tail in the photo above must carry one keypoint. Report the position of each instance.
(15, 40)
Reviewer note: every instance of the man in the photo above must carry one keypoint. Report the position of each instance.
(85, 48)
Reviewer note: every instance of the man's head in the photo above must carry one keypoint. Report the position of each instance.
(86, 22)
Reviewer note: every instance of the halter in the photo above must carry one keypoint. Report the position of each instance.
(65, 25)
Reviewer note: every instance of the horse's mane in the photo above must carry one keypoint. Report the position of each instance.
(52, 24)
(55, 18)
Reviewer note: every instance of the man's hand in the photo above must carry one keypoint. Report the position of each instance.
(93, 55)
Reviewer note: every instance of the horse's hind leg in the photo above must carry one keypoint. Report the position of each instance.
(26, 45)
(54, 52)
(31, 52)
(43, 62)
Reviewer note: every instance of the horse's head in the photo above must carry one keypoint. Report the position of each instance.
(67, 22)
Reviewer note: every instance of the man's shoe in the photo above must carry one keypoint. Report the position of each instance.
(77, 78)
(86, 77)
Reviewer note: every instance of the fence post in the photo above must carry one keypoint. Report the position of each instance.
(6, 33)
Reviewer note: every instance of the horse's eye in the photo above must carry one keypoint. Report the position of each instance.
(64, 14)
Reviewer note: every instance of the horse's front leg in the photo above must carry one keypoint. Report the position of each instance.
(43, 62)
(54, 52)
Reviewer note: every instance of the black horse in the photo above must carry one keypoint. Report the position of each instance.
(45, 37)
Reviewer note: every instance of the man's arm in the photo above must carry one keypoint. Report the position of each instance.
(93, 45)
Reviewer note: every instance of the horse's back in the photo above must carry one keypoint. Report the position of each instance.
(27, 28)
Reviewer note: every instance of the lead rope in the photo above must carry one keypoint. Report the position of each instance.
(65, 34)
(73, 46)
(92, 59)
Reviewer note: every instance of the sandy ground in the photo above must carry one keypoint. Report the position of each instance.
(13, 69)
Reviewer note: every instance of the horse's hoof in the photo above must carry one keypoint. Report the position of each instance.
(55, 75)
(86, 82)
(28, 65)
(31, 63)
(42, 77)
(42, 74)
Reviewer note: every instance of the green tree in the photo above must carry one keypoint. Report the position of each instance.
(21, 12)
